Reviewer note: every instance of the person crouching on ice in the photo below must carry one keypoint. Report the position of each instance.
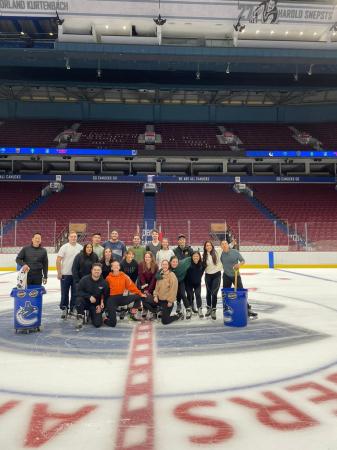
(120, 287)
(165, 294)
(92, 291)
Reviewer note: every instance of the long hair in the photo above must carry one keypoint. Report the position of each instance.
(153, 265)
(85, 254)
(212, 253)
(111, 260)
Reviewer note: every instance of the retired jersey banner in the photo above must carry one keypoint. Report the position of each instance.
(265, 11)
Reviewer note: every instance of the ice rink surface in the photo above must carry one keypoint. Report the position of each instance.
(192, 384)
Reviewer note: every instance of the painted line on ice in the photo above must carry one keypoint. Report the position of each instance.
(136, 421)
(307, 275)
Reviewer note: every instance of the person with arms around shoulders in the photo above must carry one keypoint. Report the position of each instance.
(129, 266)
(147, 271)
(137, 248)
(182, 251)
(164, 253)
(34, 261)
(155, 245)
(96, 245)
(180, 268)
(232, 260)
(212, 264)
(193, 283)
(106, 262)
(83, 262)
(64, 264)
(122, 292)
(92, 291)
(118, 247)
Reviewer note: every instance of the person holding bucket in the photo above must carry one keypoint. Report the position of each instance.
(232, 260)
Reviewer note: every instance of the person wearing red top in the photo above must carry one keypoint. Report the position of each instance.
(147, 270)
(122, 292)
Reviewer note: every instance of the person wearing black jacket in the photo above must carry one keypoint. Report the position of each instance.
(92, 291)
(83, 262)
(193, 282)
(182, 251)
(130, 266)
(34, 261)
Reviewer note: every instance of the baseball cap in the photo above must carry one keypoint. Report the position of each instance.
(181, 236)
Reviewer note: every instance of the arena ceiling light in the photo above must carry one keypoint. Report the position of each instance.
(228, 68)
(310, 69)
(239, 27)
(159, 21)
(67, 64)
(59, 21)
(197, 73)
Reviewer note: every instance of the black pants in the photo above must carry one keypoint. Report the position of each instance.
(149, 304)
(114, 301)
(194, 290)
(181, 294)
(82, 304)
(227, 281)
(34, 278)
(166, 317)
(212, 281)
(67, 282)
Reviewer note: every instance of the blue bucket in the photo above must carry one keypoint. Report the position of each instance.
(235, 311)
(28, 307)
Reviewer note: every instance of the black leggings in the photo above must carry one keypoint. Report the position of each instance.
(114, 301)
(212, 281)
(181, 294)
(166, 317)
(194, 290)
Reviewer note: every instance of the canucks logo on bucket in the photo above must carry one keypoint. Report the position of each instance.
(27, 315)
(228, 314)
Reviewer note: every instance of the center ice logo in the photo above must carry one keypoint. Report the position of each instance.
(27, 315)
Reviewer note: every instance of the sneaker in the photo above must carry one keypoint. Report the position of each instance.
(201, 315)
(188, 313)
(79, 322)
(208, 312)
(213, 313)
(64, 313)
(178, 310)
(252, 315)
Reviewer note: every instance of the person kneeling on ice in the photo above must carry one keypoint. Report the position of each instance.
(92, 291)
(232, 260)
(165, 294)
(120, 287)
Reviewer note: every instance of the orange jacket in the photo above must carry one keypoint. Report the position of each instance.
(119, 283)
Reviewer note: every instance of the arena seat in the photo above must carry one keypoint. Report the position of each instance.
(310, 204)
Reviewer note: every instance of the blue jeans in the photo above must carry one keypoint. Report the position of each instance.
(67, 282)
